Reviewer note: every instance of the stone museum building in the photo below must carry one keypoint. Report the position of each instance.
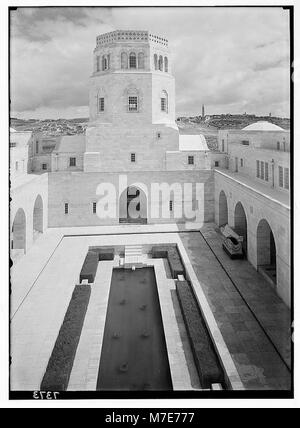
(132, 151)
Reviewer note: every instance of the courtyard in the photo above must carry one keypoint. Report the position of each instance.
(249, 324)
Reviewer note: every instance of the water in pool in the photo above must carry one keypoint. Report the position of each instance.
(134, 354)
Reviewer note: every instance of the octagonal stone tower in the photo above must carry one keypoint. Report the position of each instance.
(132, 104)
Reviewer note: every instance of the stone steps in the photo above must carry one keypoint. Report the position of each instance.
(133, 256)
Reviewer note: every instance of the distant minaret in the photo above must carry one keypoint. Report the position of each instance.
(203, 111)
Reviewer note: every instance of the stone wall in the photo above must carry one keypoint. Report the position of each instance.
(79, 190)
(258, 207)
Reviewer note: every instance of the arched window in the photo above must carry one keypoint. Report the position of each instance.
(166, 64)
(105, 62)
(141, 62)
(124, 60)
(155, 61)
(98, 63)
(132, 60)
(164, 101)
(160, 63)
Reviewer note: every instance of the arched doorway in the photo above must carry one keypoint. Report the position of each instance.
(266, 250)
(18, 234)
(240, 224)
(223, 209)
(133, 206)
(37, 217)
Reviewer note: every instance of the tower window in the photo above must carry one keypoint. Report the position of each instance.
(132, 103)
(132, 157)
(124, 60)
(105, 62)
(158, 135)
(141, 62)
(72, 161)
(164, 101)
(160, 63)
(171, 205)
(36, 146)
(132, 60)
(242, 162)
(17, 166)
(166, 64)
(278, 145)
(155, 62)
(163, 104)
(101, 104)
(191, 160)
(94, 207)
(223, 145)
(257, 168)
(216, 163)
(98, 63)
(44, 166)
(66, 208)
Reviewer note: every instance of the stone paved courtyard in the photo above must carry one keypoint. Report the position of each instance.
(254, 322)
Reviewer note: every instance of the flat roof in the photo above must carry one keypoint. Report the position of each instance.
(71, 144)
(192, 143)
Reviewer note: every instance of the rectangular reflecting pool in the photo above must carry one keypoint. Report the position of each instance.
(134, 354)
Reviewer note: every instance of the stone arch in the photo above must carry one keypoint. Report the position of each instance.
(266, 249)
(133, 205)
(166, 64)
(38, 224)
(18, 233)
(223, 209)
(240, 223)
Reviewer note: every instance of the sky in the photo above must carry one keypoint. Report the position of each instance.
(232, 60)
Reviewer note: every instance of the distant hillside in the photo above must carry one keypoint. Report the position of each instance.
(51, 127)
(210, 125)
(231, 121)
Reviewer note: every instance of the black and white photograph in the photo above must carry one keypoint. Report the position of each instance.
(150, 184)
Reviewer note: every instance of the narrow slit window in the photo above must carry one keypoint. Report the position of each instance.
(132, 157)
(66, 208)
(94, 207)
(280, 176)
(262, 170)
(171, 205)
(266, 171)
(286, 178)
